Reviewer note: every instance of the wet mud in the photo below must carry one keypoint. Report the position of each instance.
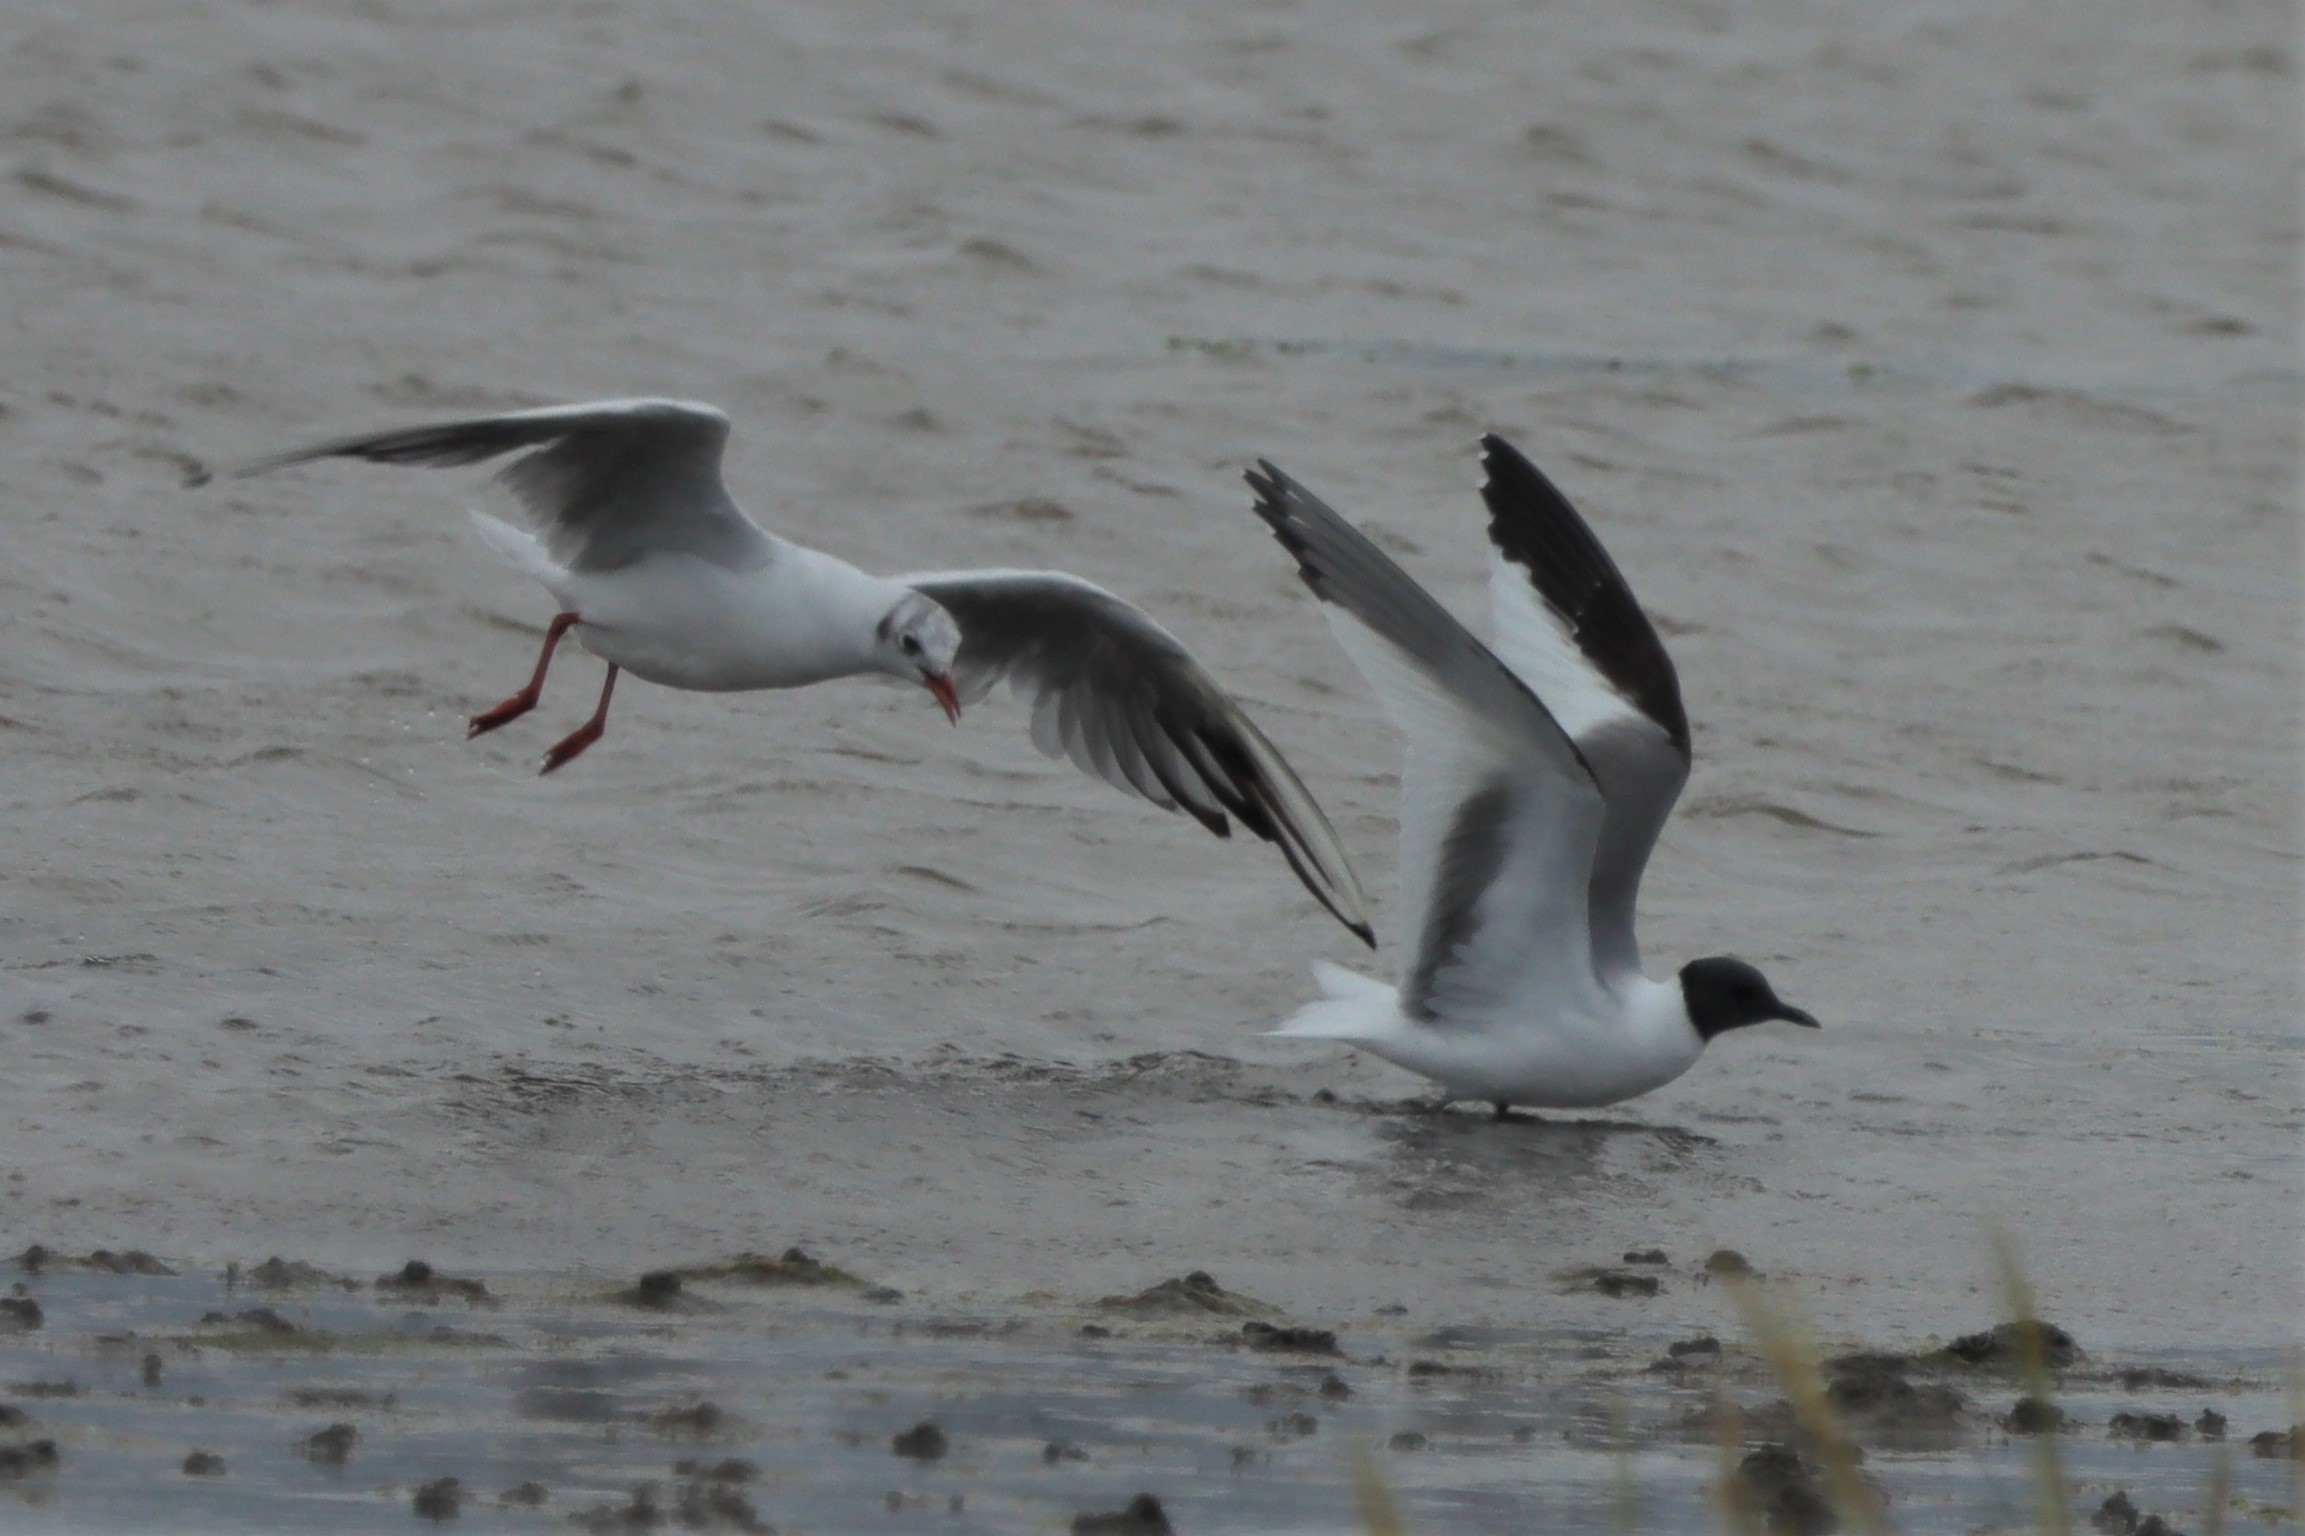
(810, 1408)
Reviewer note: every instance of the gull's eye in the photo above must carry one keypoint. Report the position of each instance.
(911, 644)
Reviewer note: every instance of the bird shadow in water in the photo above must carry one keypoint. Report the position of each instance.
(1524, 1145)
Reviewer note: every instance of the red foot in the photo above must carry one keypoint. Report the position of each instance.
(525, 700)
(503, 714)
(586, 734)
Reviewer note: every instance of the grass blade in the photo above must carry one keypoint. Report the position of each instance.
(2053, 1512)
(1794, 1364)
(1379, 1516)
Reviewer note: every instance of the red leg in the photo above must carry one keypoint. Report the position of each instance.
(525, 700)
(586, 734)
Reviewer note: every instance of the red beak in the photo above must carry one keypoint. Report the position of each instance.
(941, 686)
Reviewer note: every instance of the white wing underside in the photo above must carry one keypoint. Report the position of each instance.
(602, 484)
(1522, 946)
(1638, 768)
(1531, 640)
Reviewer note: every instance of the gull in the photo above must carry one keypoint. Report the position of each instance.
(1539, 769)
(659, 573)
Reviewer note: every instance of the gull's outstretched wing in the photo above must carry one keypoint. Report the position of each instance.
(1126, 701)
(1499, 811)
(607, 482)
(1569, 627)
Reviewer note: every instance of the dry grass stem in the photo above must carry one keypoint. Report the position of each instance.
(2052, 1507)
(1379, 1516)
(1794, 1363)
(1628, 1498)
(1729, 1493)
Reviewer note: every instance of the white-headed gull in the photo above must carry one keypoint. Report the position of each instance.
(1540, 768)
(659, 573)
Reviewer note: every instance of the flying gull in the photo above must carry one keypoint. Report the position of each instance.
(659, 573)
(1540, 768)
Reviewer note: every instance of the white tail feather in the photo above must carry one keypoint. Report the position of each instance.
(522, 551)
(1352, 1007)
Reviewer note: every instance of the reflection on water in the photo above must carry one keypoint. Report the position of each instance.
(1441, 1160)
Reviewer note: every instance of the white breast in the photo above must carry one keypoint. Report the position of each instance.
(1553, 1051)
(687, 623)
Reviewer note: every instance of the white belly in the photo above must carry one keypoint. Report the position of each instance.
(1578, 1059)
(686, 623)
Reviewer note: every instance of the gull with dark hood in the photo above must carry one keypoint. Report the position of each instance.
(1540, 769)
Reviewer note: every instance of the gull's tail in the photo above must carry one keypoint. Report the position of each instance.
(521, 550)
(1353, 1007)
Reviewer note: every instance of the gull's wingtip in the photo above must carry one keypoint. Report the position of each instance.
(248, 469)
(1269, 481)
(1501, 461)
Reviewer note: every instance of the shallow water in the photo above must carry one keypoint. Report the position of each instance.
(555, 1383)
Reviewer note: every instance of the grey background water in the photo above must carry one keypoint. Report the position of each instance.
(1930, 369)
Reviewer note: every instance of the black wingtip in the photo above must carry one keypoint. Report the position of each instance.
(1266, 481)
(1366, 934)
(1274, 489)
(1271, 483)
(1538, 529)
(1508, 471)
(1217, 824)
(1513, 488)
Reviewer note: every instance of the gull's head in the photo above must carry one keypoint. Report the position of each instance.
(917, 641)
(1723, 993)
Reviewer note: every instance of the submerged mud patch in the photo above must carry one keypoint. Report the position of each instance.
(1193, 1295)
(810, 1407)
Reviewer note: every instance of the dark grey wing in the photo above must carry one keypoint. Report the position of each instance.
(1499, 812)
(1569, 627)
(607, 482)
(1124, 700)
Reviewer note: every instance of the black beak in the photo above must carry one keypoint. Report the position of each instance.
(1793, 1015)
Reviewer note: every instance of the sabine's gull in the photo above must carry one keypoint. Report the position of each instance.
(1539, 769)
